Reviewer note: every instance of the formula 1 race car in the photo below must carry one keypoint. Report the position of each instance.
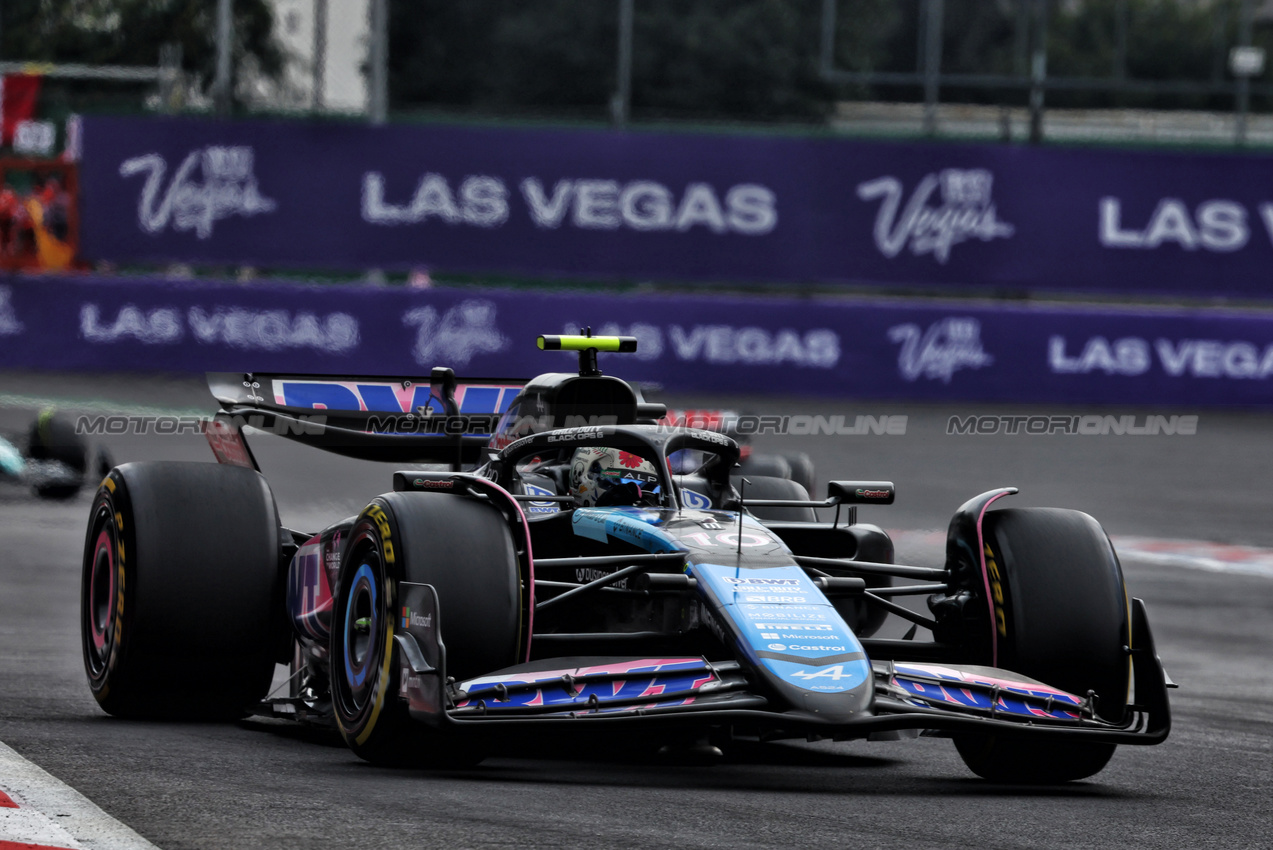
(558, 563)
(56, 461)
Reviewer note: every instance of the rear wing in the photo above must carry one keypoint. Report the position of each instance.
(438, 419)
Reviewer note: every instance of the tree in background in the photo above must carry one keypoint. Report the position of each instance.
(711, 59)
(1167, 40)
(131, 32)
(751, 60)
(757, 59)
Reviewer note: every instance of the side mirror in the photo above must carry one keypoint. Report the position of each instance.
(861, 492)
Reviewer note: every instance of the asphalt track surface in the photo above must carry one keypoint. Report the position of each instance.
(268, 784)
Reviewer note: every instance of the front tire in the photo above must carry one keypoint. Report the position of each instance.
(464, 549)
(180, 610)
(1061, 617)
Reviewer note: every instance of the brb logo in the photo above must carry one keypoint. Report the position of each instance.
(947, 346)
(966, 212)
(227, 187)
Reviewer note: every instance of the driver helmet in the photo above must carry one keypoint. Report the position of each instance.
(597, 470)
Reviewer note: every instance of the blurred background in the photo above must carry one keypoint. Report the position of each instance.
(958, 244)
(954, 183)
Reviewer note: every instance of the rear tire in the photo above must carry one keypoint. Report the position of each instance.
(764, 487)
(53, 438)
(1064, 621)
(767, 465)
(180, 612)
(465, 550)
(802, 471)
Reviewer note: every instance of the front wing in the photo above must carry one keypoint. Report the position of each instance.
(696, 693)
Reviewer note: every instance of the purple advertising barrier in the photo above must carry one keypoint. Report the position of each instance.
(705, 207)
(851, 349)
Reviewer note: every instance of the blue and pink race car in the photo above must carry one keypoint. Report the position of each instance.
(556, 559)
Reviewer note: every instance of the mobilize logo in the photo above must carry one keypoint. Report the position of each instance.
(783, 612)
(802, 627)
(775, 610)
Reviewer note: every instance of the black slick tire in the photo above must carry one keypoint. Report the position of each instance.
(802, 471)
(180, 612)
(1061, 617)
(765, 487)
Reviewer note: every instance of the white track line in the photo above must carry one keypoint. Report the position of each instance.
(1197, 555)
(95, 405)
(50, 813)
(1189, 554)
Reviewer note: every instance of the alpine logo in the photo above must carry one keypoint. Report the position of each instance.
(835, 674)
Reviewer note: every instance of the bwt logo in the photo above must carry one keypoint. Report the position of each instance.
(390, 397)
(966, 212)
(228, 188)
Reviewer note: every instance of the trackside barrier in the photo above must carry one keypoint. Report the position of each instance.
(688, 207)
(831, 348)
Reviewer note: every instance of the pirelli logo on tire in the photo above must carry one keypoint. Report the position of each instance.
(996, 591)
(377, 515)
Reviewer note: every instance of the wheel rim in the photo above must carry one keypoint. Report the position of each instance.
(359, 629)
(102, 598)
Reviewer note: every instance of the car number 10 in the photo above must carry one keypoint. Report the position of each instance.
(727, 538)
